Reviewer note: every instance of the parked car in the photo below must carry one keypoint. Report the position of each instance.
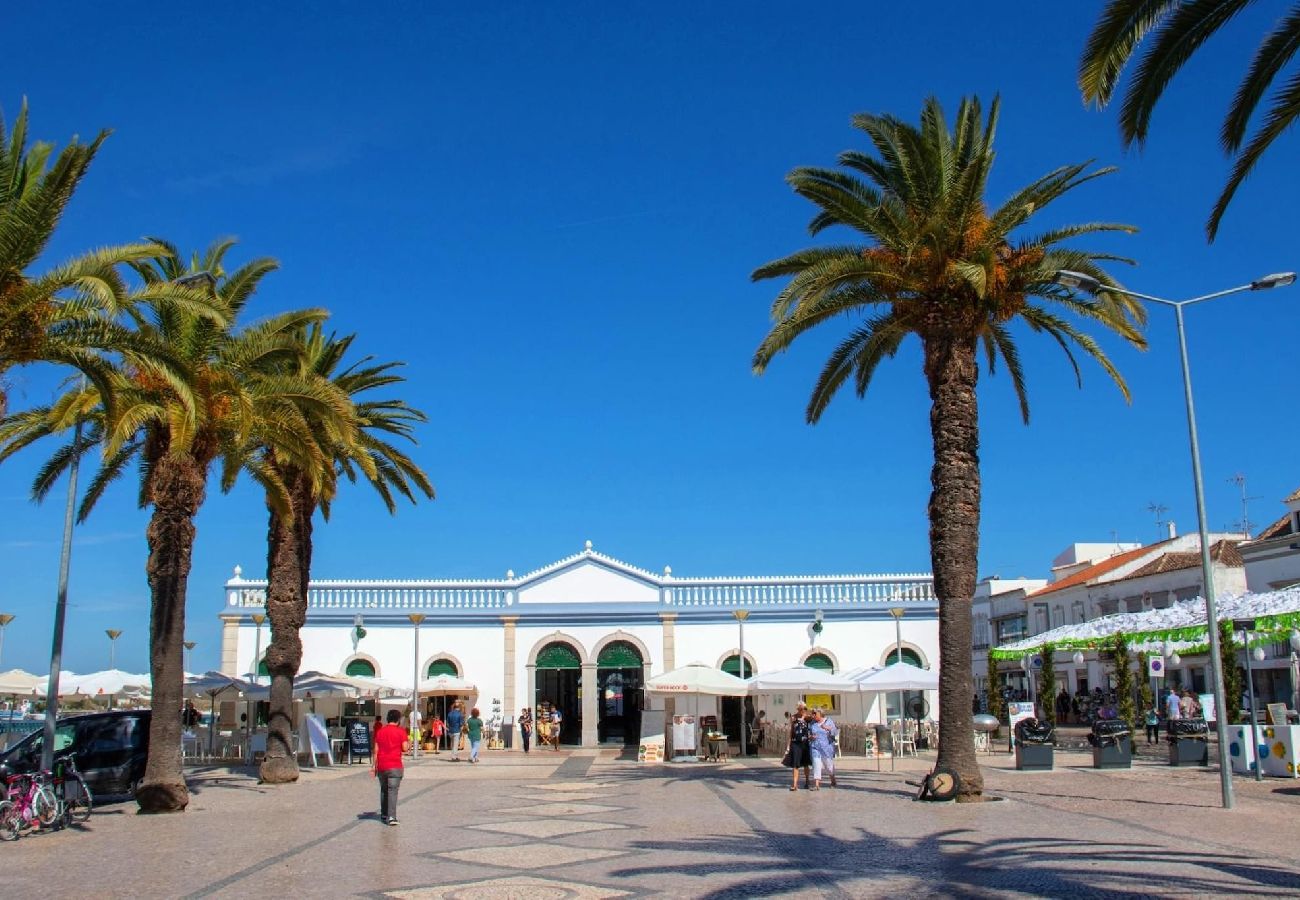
(110, 747)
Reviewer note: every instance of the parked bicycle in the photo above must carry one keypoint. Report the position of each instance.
(74, 797)
(29, 802)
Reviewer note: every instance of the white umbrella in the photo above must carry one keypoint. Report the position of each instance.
(209, 685)
(108, 682)
(16, 681)
(804, 679)
(446, 685)
(900, 676)
(697, 678)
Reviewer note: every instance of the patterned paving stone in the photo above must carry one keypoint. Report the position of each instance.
(574, 786)
(529, 856)
(546, 828)
(562, 809)
(517, 887)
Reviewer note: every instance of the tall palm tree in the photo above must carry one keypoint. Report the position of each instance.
(1178, 29)
(175, 428)
(348, 453)
(67, 314)
(938, 265)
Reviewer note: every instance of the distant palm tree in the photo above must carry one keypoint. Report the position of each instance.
(68, 314)
(1180, 28)
(939, 266)
(176, 428)
(310, 479)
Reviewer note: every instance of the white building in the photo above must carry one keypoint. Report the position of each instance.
(998, 616)
(1273, 558)
(585, 632)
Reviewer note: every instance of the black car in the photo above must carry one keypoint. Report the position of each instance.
(110, 747)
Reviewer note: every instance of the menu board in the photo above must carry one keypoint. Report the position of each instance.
(1017, 712)
(358, 738)
(684, 741)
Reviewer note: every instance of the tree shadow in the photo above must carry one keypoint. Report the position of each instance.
(959, 862)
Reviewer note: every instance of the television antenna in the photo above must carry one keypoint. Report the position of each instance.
(1244, 525)
(1158, 510)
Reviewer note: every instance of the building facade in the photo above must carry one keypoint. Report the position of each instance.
(584, 633)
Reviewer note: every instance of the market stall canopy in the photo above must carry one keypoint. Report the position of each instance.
(447, 686)
(1182, 626)
(697, 678)
(805, 679)
(16, 681)
(105, 683)
(900, 676)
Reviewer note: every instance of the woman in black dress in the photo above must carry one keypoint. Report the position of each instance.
(799, 750)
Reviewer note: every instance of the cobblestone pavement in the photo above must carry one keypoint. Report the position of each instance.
(590, 824)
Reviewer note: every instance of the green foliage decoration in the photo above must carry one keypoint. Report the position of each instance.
(1047, 684)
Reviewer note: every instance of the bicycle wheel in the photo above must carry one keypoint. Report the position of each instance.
(78, 802)
(46, 807)
(10, 821)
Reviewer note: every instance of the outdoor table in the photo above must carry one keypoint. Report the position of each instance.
(717, 746)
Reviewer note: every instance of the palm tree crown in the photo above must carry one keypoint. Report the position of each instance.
(1177, 30)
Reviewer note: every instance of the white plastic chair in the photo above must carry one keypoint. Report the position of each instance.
(904, 739)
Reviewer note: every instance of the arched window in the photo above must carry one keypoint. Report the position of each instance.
(909, 656)
(558, 656)
(731, 665)
(361, 667)
(262, 668)
(820, 661)
(619, 655)
(442, 667)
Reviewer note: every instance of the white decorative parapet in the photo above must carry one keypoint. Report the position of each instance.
(855, 590)
(378, 595)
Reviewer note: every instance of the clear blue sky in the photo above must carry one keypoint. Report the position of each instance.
(552, 217)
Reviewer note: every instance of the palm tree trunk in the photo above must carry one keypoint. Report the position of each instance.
(288, 570)
(177, 488)
(951, 372)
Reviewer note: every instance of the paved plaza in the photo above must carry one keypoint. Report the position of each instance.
(586, 824)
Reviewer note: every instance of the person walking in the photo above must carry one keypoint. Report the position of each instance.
(1171, 709)
(391, 741)
(757, 730)
(436, 730)
(824, 734)
(455, 722)
(798, 748)
(557, 722)
(1153, 724)
(474, 726)
(525, 727)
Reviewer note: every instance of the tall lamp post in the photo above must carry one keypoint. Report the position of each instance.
(256, 672)
(416, 619)
(1088, 284)
(741, 615)
(189, 652)
(5, 619)
(113, 635)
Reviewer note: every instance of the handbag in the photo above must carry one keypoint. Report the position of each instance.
(786, 760)
(464, 729)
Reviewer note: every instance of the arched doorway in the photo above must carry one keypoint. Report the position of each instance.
(559, 674)
(893, 698)
(363, 668)
(442, 666)
(440, 704)
(619, 669)
(733, 708)
(819, 661)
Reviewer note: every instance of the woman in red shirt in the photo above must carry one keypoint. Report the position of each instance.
(391, 741)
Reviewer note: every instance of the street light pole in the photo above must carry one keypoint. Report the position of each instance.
(897, 612)
(189, 651)
(741, 615)
(5, 619)
(258, 619)
(416, 619)
(113, 635)
(1083, 282)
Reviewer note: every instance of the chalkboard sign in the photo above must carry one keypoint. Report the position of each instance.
(358, 739)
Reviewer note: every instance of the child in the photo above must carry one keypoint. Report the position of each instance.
(1153, 724)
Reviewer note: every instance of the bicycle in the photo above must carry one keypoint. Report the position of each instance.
(30, 801)
(71, 790)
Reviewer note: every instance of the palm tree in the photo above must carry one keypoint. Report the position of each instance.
(347, 452)
(67, 314)
(176, 428)
(938, 265)
(1180, 28)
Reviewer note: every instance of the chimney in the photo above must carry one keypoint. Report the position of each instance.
(1173, 530)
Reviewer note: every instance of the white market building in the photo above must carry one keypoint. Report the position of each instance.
(585, 632)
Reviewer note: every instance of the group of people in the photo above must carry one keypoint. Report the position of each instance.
(1176, 706)
(813, 736)
(547, 725)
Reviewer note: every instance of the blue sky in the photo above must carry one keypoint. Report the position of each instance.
(551, 216)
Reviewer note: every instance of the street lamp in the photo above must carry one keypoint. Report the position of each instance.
(5, 619)
(189, 647)
(258, 619)
(416, 619)
(741, 615)
(113, 635)
(1088, 284)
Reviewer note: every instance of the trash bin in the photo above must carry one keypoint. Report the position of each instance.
(1189, 743)
(1112, 744)
(508, 734)
(1035, 745)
